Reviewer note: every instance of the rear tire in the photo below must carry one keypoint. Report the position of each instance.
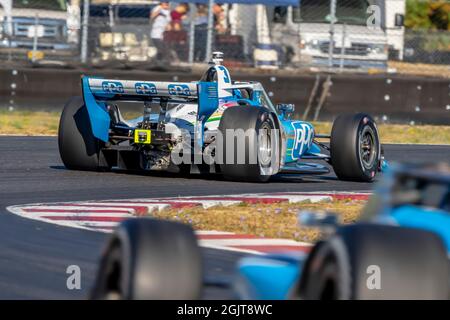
(150, 259)
(78, 148)
(411, 264)
(355, 147)
(264, 144)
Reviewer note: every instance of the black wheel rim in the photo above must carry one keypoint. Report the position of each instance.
(367, 147)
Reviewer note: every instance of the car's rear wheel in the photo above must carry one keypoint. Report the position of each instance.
(150, 259)
(377, 262)
(78, 148)
(355, 147)
(250, 144)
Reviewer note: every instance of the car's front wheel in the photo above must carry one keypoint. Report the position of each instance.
(355, 147)
(150, 259)
(369, 261)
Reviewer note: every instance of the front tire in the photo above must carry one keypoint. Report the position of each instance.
(355, 147)
(78, 148)
(368, 261)
(149, 259)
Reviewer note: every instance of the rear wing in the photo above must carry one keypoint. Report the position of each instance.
(141, 90)
(98, 92)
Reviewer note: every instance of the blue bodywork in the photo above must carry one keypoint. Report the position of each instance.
(267, 278)
(299, 139)
(98, 115)
(275, 276)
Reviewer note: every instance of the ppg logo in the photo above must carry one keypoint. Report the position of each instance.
(179, 90)
(303, 138)
(145, 88)
(112, 87)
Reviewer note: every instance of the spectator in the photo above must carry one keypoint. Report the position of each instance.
(202, 15)
(219, 18)
(201, 31)
(160, 19)
(201, 28)
(177, 16)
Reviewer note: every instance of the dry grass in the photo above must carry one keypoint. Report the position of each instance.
(34, 123)
(420, 69)
(264, 220)
(46, 123)
(29, 123)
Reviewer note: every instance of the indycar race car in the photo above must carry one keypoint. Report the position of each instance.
(400, 249)
(214, 125)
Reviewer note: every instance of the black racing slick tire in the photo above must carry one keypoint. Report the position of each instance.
(371, 262)
(355, 147)
(148, 259)
(257, 159)
(78, 148)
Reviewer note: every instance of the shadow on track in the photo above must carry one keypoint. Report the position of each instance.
(280, 178)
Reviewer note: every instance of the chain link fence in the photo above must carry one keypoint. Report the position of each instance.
(430, 47)
(314, 35)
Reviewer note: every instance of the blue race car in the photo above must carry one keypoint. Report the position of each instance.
(215, 125)
(399, 250)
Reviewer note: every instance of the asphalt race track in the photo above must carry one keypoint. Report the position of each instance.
(34, 255)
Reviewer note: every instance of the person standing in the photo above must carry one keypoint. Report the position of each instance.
(160, 19)
(219, 18)
(177, 17)
(201, 32)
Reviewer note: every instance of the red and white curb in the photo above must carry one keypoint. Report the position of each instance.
(104, 215)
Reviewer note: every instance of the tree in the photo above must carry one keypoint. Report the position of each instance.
(428, 14)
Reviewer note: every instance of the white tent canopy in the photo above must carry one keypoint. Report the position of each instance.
(7, 7)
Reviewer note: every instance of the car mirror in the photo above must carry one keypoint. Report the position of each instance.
(285, 108)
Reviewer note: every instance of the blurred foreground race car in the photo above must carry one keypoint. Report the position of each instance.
(214, 125)
(398, 250)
